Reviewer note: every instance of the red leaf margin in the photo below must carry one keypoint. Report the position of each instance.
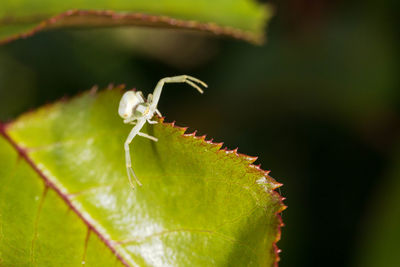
(249, 159)
(112, 18)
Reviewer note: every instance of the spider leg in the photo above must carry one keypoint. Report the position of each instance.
(149, 98)
(140, 95)
(176, 79)
(158, 113)
(130, 121)
(152, 122)
(135, 130)
(148, 136)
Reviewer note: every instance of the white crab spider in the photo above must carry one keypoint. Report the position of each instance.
(134, 109)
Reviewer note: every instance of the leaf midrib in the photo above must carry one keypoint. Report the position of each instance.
(49, 184)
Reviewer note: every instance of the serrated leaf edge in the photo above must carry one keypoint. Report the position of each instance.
(147, 20)
(93, 91)
(250, 160)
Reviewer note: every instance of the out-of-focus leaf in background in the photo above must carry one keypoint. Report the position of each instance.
(66, 198)
(379, 239)
(319, 104)
(242, 19)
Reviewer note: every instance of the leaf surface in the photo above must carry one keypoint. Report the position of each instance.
(243, 19)
(65, 198)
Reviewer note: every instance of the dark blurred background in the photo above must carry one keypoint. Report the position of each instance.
(319, 104)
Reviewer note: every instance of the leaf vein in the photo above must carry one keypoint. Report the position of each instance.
(23, 154)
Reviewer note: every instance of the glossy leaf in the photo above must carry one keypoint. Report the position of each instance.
(243, 19)
(65, 198)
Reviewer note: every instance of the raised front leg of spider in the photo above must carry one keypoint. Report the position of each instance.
(134, 109)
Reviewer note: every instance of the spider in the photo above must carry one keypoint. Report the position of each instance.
(134, 109)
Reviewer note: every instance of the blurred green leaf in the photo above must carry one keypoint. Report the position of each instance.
(379, 243)
(243, 19)
(66, 198)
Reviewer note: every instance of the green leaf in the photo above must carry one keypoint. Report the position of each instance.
(379, 239)
(242, 19)
(66, 198)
